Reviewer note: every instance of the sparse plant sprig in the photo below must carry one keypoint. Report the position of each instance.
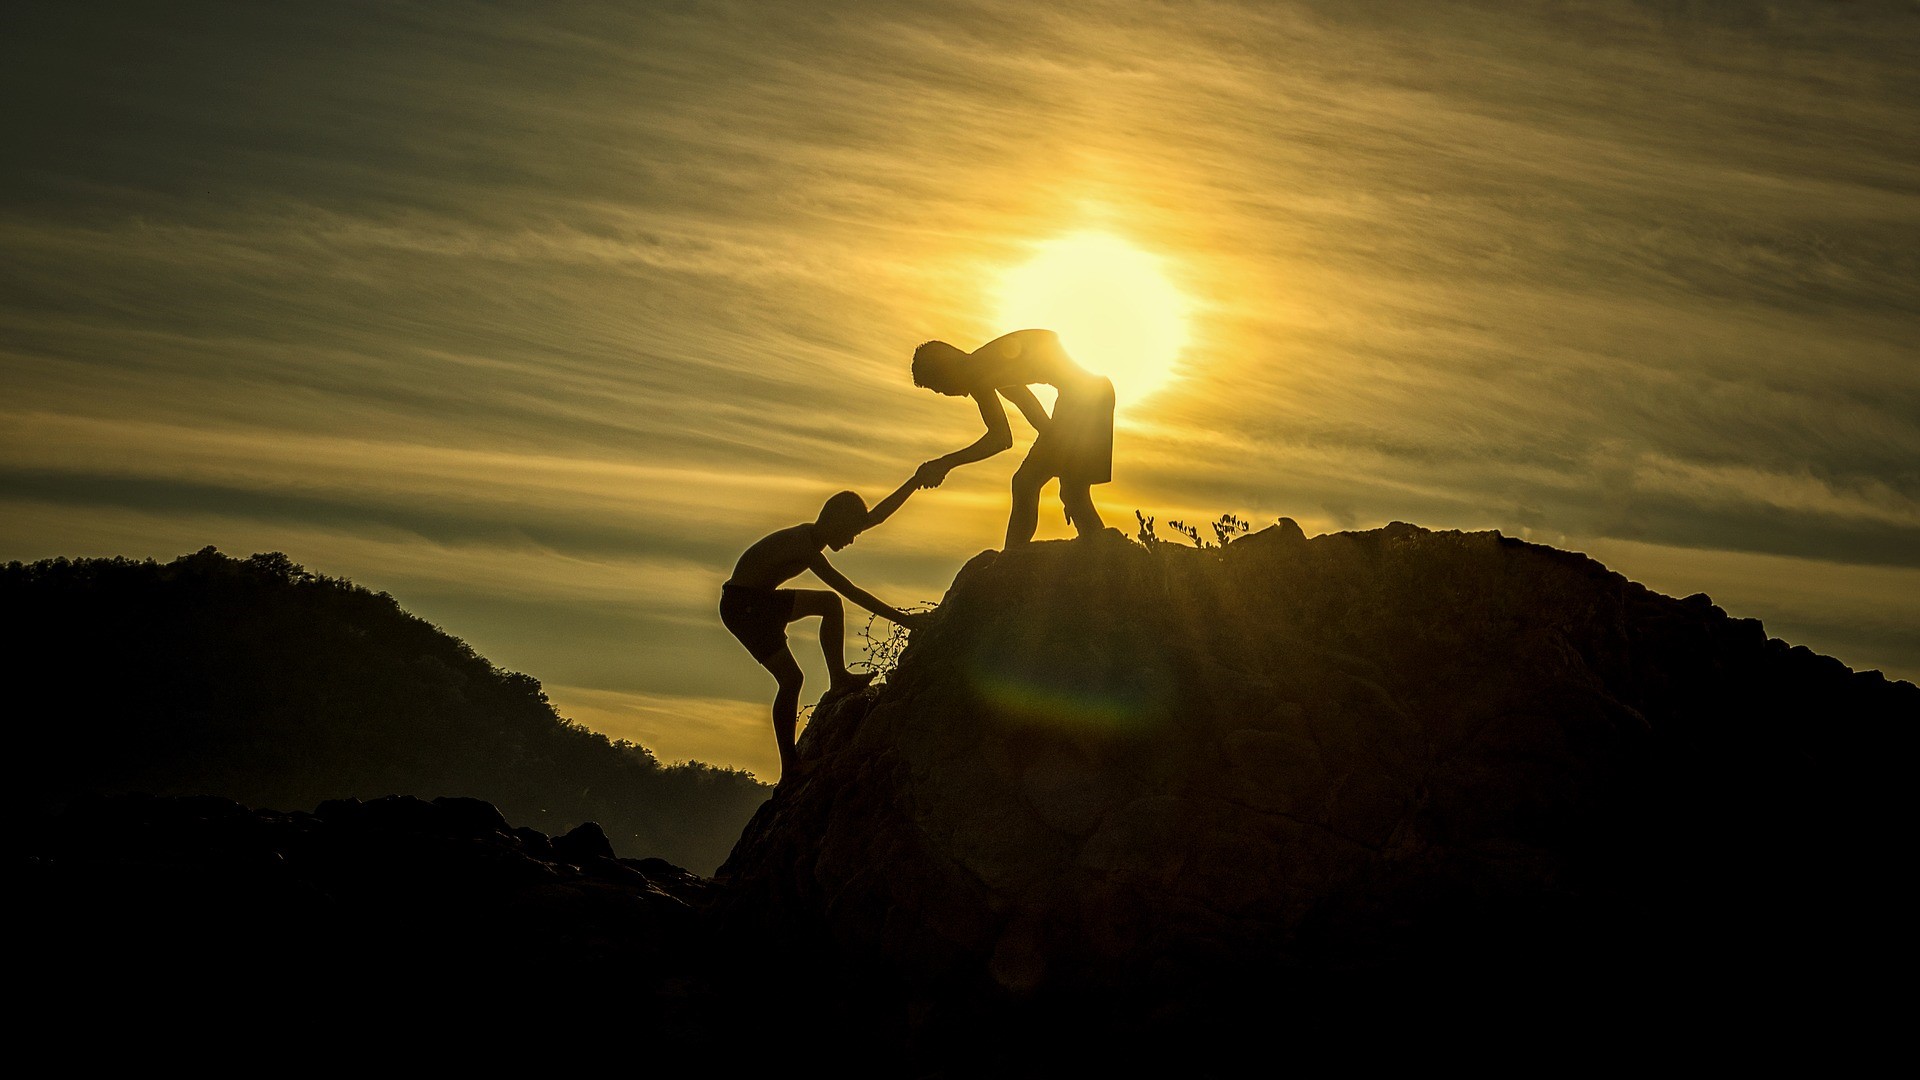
(1146, 535)
(885, 646)
(1229, 528)
(1226, 529)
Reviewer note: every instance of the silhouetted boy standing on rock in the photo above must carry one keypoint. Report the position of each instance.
(757, 610)
(1075, 443)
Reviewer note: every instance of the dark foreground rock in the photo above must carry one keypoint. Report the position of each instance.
(181, 902)
(1161, 797)
(1309, 801)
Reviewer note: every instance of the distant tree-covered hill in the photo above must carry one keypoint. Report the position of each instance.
(257, 680)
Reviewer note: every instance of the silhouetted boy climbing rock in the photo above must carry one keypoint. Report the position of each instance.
(757, 610)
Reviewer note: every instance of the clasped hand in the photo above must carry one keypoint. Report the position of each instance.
(930, 474)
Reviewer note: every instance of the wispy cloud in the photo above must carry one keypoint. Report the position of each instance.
(575, 303)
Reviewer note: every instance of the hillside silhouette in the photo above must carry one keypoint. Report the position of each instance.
(1129, 803)
(258, 681)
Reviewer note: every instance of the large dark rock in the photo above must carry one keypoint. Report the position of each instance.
(1148, 793)
(584, 844)
(138, 900)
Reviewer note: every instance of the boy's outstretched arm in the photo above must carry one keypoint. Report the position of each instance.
(999, 437)
(885, 507)
(824, 570)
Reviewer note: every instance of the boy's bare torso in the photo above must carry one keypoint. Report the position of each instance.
(1023, 358)
(777, 558)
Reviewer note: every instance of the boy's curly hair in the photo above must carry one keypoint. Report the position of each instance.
(844, 504)
(931, 354)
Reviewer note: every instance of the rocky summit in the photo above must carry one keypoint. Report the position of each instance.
(1160, 791)
(1130, 803)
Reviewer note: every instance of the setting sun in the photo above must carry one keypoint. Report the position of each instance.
(1111, 303)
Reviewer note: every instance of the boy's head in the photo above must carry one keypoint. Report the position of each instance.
(842, 518)
(937, 366)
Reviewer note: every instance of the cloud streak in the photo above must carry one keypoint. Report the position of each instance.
(571, 304)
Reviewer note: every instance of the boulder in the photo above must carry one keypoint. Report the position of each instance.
(1155, 790)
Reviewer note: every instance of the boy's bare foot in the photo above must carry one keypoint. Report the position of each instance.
(843, 686)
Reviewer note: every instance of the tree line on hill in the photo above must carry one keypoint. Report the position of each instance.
(260, 681)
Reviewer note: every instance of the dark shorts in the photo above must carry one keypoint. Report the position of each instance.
(1078, 448)
(758, 617)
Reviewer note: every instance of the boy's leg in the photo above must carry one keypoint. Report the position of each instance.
(1078, 499)
(832, 625)
(833, 642)
(1028, 479)
(786, 704)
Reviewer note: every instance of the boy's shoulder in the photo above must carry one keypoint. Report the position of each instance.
(1018, 343)
(793, 537)
(1021, 352)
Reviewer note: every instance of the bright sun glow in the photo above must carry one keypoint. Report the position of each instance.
(1112, 305)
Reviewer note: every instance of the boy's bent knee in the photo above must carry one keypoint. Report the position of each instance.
(815, 602)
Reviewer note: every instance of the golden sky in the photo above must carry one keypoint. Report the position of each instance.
(536, 315)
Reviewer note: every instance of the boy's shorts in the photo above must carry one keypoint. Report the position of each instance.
(1078, 447)
(758, 617)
